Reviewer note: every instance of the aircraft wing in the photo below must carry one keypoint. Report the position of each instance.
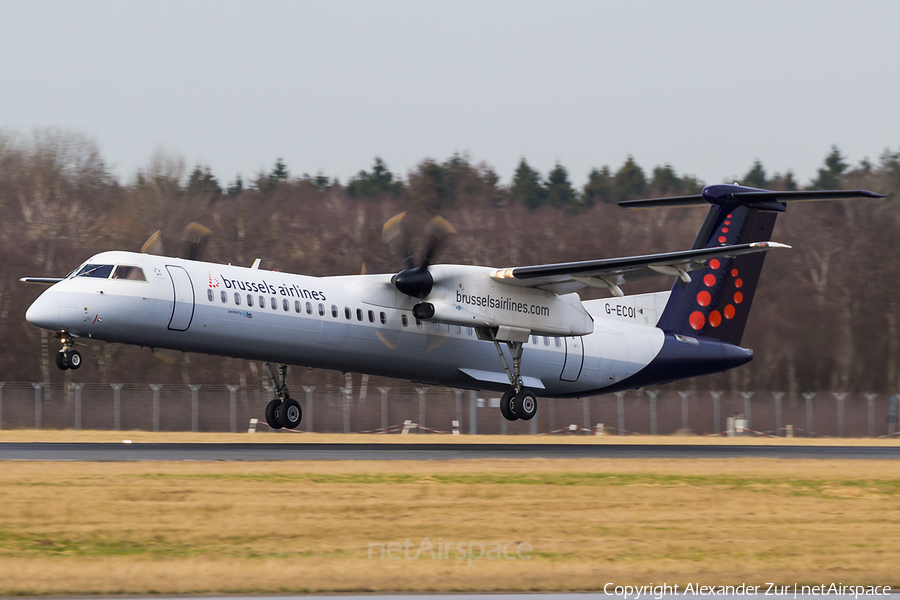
(41, 280)
(609, 273)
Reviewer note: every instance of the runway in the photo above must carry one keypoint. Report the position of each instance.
(107, 452)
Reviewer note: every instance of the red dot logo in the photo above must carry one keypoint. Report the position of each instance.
(734, 272)
(721, 239)
(709, 279)
(728, 222)
(714, 263)
(738, 297)
(724, 230)
(738, 283)
(703, 298)
(697, 320)
(728, 216)
(715, 319)
(729, 311)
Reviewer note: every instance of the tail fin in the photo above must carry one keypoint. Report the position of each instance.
(716, 302)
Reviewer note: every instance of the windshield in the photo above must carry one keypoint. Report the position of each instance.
(99, 271)
(129, 272)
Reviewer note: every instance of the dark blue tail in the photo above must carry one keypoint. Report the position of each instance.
(716, 303)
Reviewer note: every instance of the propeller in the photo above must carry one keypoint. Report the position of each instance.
(192, 235)
(415, 280)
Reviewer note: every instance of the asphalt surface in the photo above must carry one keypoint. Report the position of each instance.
(105, 452)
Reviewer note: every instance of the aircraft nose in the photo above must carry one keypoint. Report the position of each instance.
(44, 312)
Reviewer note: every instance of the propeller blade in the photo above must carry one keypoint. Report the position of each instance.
(393, 236)
(153, 245)
(193, 234)
(438, 228)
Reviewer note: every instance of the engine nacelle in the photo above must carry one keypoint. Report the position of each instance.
(468, 296)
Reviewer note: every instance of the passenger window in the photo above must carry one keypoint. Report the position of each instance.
(224, 296)
(383, 318)
(237, 298)
(131, 273)
(321, 310)
(347, 312)
(249, 300)
(458, 330)
(262, 301)
(359, 314)
(447, 328)
(286, 307)
(371, 317)
(404, 320)
(273, 303)
(470, 330)
(309, 308)
(297, 306)
(98, 271)
(546, 341)
(209, 294)
(558, 343)
(334, 311)
(534, 340)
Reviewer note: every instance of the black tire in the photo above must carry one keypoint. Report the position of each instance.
(506, 408)
(61, 361)
(272, 414)
(290, 414)
(525, 405)
(74, 359)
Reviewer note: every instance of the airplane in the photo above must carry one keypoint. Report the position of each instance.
(523, 331)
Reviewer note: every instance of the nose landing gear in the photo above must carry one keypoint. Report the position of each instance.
(283, 411)
(67, 357)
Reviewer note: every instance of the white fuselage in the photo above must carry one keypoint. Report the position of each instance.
(355, 323)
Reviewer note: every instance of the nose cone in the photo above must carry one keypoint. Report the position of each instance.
(44, 312)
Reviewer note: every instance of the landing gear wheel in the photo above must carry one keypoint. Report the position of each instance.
(61, 361)
(525, 405)
(289, 414)
(506, 408)
(272, 414)
(74, 359)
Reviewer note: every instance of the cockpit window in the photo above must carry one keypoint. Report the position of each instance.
(127, 272)
(98, 271)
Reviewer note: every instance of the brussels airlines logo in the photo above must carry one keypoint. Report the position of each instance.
(263, 287)
(213, 283)
(502, 303)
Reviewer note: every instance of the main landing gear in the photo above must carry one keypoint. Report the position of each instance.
(67, 357)
(283, 411)
(517, 403)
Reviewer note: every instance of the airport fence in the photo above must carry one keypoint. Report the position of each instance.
(429, 409)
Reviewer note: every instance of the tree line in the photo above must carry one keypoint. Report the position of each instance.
(824, 318)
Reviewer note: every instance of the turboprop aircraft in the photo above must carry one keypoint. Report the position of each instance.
(523, 331)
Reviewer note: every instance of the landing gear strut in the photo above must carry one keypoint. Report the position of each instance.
(67, 357)
(517, 403)
(283, 411)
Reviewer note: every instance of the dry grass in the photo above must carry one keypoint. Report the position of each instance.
(306, 526)
(70, 435)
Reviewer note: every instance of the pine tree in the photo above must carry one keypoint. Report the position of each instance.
(527, 187)
(756, 176)
(630, 181)
(830, 176)
(559, 188)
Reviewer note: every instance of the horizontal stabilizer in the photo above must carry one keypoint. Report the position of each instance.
(722, 195)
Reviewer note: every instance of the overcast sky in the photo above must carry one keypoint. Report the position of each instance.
(705, 86)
